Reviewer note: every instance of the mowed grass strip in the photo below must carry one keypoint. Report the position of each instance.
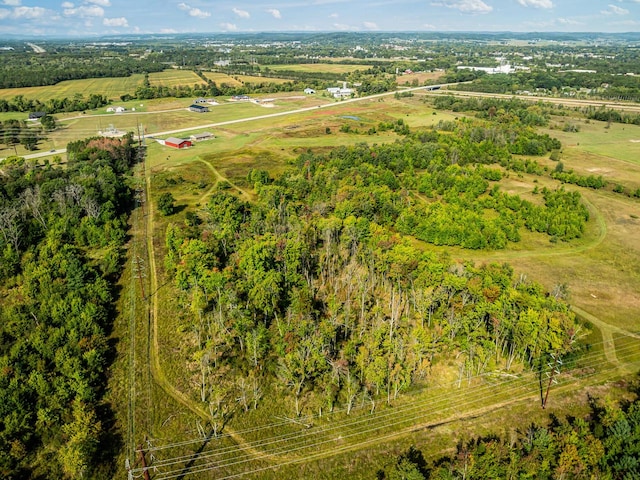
(254, 79)
(319, 67)
(111, 87)
(173, 78)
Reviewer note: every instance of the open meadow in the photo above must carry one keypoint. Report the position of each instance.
(174, 77)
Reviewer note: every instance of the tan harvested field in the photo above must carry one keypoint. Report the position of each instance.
(221, 78)
(319, 67)
(421, 77)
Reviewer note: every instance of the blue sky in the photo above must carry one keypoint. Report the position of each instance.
(97, 17)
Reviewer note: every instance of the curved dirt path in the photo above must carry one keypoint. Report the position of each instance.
(221, 178)
(607, 332)
(157, 373)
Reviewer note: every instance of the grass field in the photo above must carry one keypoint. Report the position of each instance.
(172, 78)
(112, 88)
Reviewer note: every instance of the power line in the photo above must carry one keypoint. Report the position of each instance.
(368, 420)
(311, 417)
(213, 465)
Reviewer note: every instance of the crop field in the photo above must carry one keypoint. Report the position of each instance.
(221, 78)
(318, 67)
(110, 87)
(172, 78)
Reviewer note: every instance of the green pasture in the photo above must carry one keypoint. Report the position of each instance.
(110, 87)
(318, 67)
(172, 78)
(616, 141)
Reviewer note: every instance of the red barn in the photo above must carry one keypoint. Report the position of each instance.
(177, 142)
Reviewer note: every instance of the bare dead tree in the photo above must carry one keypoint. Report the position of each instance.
(10, 226)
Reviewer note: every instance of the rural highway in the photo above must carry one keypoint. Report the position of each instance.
(561, 101)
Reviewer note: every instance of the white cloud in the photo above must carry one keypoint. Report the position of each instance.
(30, 12)
(84, 11)
(536, 3)
(102, 3)
(12, 3)
(569, 21)
(229, 27)
(370, 25)
(4, 13)
(274, 12)
(334, 15)
(615, 10)
(342, 26)
(67, 5)
(465, 6)
(168, 30)
(429, 26)
(193, 11)
(115, 22)
(196, 12)
(241, 13)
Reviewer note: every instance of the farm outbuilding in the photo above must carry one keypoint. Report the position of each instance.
(198, 108)
(177, 142)
(199, 137)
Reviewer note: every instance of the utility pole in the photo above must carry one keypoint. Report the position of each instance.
(554, 369)
(139, 272)
(145, 469)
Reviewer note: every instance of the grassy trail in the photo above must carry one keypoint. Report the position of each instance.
(153, 360)
(221, 178)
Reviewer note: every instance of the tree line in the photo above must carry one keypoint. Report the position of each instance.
(602, 444)
(52, 68)
(54, 105)
(62, 233)
(19, 132)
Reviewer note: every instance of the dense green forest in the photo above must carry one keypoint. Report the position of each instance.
(55, 67)
(603, 85)
(55, 105)
(317, 290)
(604, 444)
(62, 231)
